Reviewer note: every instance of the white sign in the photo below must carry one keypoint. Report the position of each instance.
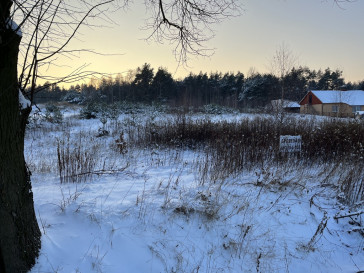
(290, 144)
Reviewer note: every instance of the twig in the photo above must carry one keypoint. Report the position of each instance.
(100, 172)
(349, 215)
(320, 229)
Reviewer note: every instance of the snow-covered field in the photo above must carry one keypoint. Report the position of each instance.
(155, 210)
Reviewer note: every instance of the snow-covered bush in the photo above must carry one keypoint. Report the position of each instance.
(73, 97)
(89, 111)
(53, 113)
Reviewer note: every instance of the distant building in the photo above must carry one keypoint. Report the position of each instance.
(335, 103)
(286, 105)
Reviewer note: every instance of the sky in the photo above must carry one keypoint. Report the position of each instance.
(319, 33)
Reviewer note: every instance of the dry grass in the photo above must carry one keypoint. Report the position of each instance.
(76, 160)
(230, 148)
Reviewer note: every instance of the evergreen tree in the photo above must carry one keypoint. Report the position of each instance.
(330, 80)
(163, 85)
(142, 82)
(360, 85)
(297, 83)
(258, 90)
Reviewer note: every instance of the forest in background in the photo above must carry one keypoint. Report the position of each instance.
(234, 90)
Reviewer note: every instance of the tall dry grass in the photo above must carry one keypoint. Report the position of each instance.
(76, 159)
(233, 147)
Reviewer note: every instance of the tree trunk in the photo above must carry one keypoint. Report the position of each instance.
(19, 231)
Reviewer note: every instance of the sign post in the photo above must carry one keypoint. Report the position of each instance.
(290, 144)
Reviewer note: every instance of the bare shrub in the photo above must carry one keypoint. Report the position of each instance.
(334, 140)
(256, 138)
(229, 148)
(76, 161)
(121, 144)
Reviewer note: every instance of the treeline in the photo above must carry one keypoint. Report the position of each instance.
(229, 89)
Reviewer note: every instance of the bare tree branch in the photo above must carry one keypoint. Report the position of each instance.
(187, 24)
(49, 26)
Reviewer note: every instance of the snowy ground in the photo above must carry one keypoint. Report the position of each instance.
(153, 210)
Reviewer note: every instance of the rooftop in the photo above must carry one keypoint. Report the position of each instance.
(351, 97)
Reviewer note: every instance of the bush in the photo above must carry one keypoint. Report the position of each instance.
(53, 113)
(73, 97)
(258, 138)
(232, 147)
(89, 111)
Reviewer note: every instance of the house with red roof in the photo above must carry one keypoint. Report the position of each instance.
(335, 103)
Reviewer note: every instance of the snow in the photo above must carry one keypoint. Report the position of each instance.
(352, 97)
(12, 25)
(159, 215)
(23, 102)
(291, 104)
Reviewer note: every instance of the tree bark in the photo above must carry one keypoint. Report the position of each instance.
(19, 231)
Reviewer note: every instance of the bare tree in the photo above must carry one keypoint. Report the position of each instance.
(48, 27)
(44, 31)
(187, 24)
(282, 63)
